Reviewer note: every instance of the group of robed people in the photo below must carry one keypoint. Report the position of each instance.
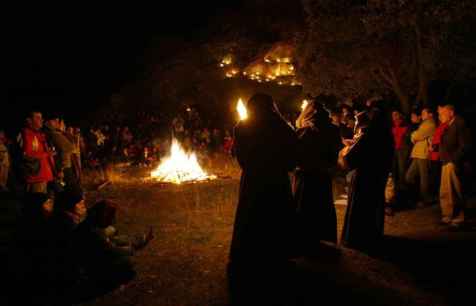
(286, 206)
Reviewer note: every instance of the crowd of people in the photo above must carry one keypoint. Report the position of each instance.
(286, 202)
(278, 218)
(431, 161)
(278, 215)
(62, 153)
(60, 242)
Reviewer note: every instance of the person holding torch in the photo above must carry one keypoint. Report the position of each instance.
(318, 147)
(264, 145)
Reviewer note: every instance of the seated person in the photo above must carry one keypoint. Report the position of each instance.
(93, 247)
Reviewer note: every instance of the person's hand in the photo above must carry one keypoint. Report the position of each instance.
(60, 174)
(347, 142)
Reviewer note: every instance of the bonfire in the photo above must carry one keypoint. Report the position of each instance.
(180, 167)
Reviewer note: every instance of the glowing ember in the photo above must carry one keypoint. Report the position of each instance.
(180, 167)
(304, 104)
(241, 109)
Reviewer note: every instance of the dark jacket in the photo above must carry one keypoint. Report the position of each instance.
(455, 142)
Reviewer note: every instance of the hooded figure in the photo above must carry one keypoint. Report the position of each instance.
(265, 148)
(370, 156)
(318, 147)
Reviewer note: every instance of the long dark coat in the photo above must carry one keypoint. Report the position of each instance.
(318, 147)
(371, 158)
(264, 220)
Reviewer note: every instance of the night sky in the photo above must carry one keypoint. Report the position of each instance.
(75, 57)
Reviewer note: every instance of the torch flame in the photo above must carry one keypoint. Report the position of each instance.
(304, 104)
(180, 167)
(242, 112)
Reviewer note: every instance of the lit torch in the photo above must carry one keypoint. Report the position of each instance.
(304, 104)
(241, 109)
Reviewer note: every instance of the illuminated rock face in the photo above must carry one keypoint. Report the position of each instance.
(180, 167)
(275, 66)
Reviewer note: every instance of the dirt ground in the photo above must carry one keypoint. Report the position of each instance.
(421, 263)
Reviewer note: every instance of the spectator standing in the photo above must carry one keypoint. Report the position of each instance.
(64, 149)
(178, 127)
(402, 146)
(419, 169)
(215, 140)
(227, 143)
(415, 120)
(37, 162)
(434, 155)
(74, 135)
(453, 149)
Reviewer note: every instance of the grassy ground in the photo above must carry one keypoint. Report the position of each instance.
(186, 263)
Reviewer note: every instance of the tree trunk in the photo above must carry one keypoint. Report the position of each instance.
(404, 100)
(422, 77)
(388, 76)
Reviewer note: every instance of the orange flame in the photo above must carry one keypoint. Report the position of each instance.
(180, 167)
(241, 109)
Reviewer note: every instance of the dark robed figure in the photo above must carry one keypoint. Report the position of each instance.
(371, 157)
(318, 147)
(264, 147)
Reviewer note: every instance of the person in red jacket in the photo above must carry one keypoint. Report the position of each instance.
(37, 157)
(401, 135)
(434, 154)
